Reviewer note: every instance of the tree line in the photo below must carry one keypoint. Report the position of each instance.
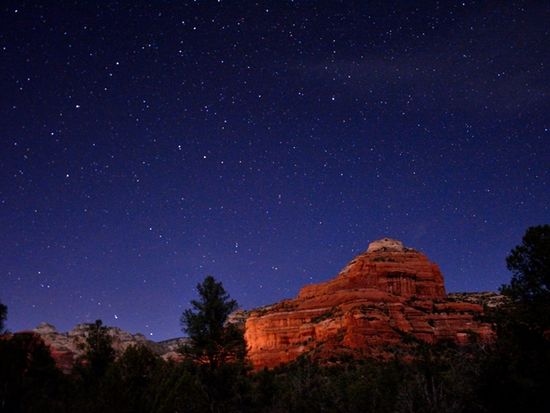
(510, 375)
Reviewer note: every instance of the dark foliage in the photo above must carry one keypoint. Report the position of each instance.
(98, 352)
(129, 382)
(515, 373)
(529, 289)
(179, 389)
(212, 340)
(216, 347)
(29, 380)
(3, 316)
(510, 375)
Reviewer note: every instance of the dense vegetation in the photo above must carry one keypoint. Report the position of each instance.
(513, 374)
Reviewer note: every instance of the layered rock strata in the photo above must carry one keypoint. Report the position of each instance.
(384, 294)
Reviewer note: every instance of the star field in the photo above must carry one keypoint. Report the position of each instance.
(145, 145)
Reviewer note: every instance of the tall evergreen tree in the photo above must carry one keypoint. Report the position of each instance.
(217, 348)
(212, 340)
(98, 351)
(515, 371)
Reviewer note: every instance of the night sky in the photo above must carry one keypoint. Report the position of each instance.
(145, 145)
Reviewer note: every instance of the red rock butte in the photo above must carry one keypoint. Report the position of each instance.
(382, 294)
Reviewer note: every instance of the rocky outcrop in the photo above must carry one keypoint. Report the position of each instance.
(384, 294)
(67, 347)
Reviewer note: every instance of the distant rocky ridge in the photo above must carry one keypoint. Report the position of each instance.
(66, 347)
(382, 295)
(386, 292)
(486, 299)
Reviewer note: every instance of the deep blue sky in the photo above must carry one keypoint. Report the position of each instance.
(145, 145)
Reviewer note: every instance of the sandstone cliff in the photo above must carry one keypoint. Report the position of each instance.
(383, 294)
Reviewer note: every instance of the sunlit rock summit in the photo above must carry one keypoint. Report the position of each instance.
(382, 295)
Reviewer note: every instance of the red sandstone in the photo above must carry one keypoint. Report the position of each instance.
(380, 295)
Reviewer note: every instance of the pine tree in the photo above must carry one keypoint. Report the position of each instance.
(515, 373)
(98, 351)
(217, 349)
(529, 289)
(212, 340)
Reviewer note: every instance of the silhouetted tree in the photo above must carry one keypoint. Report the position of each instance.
(130, 382)
(3, 316)
(515, 372)
(29, 379)
(212, 340)
(98, 351)
(529, 289)
(216, 347)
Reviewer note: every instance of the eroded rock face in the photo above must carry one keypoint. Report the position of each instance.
(67, 347)
(382, 294)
